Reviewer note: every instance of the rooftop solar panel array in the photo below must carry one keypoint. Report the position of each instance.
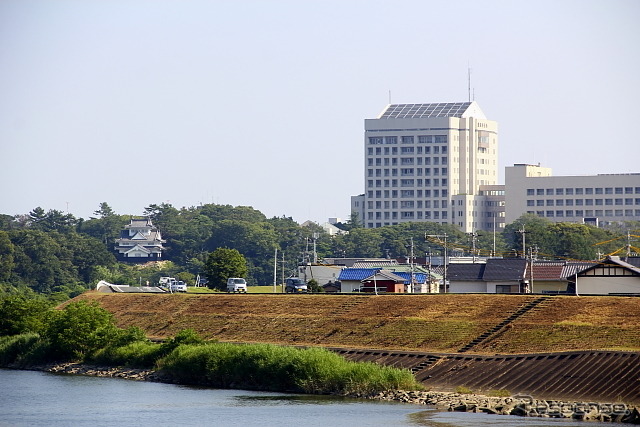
(408, 111)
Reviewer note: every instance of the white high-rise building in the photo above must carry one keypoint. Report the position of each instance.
(431, 162)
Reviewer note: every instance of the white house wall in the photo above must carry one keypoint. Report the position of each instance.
(608, 285)
(468, 287)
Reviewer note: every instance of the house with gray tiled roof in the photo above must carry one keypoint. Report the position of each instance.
(612, 276)
(552, 277)
(140, 241)
(497, 275)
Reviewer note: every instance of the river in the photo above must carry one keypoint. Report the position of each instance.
(32, 398)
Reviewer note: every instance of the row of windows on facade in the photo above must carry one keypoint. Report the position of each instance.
(589, 213)
(386, 194)
(380, 224)
(408, 215)
(584, 202)
(407, 204)
(393, 161)
(428, 161)
(436, 182)
(422, 139)
(393, 151)
(581, 191)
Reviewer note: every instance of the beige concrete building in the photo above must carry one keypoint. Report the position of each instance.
(592, 199)
(430, 162)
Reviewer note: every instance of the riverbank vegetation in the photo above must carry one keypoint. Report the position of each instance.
(84, 332)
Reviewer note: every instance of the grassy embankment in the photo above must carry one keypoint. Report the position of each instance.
(429, 323)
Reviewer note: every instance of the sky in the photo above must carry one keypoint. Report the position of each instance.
(262, 103)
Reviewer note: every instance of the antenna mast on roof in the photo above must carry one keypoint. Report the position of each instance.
(469, 81)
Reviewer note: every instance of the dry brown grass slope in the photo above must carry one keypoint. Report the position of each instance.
(428, 323)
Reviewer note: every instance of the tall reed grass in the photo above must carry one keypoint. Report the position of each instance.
(275, 368)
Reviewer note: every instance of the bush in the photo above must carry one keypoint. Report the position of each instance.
(139, 354)
(463, 390)
(274, 368)
(22, 350)
(80, 330)
(20, 314)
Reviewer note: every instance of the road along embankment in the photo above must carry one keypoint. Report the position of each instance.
(548, 347)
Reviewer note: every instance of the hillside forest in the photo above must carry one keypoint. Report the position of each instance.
(60, 256)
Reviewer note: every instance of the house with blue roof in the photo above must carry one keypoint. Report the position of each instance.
(353, 279)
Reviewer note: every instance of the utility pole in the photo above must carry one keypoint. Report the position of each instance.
(413, 279)
(282, 283)
(275, 270)
(444, 275)
(315, 254)
(428, 257)
(524, 249)
(474, 236)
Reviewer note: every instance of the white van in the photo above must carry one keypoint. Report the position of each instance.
(236, 284)
(178, 286)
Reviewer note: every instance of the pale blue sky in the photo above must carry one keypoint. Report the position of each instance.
(262, 103)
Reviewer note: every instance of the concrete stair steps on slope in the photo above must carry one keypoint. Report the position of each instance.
(424, 364)
(347, 306)
(524, 309)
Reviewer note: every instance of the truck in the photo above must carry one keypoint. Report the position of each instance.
(295, 285)
(236, 284)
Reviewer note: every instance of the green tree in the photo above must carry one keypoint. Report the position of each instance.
(222, 264)
(21, 314)
(6, 256)
(80, 329)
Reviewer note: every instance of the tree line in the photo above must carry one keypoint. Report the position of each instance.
(57, 254)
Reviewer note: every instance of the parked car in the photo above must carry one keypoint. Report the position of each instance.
(295, 285)
(178, 286)
(236, 284)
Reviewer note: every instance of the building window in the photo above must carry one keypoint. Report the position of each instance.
(599, 191)
(568, 213)
(539, 202)
(441, 139)
(579, 191)
(390, 139)
(618, 202)
(375, 140)
(559, 202)
(549, 202)
(568, 191)
(540, 192)
(407, 140)
(530, 192)
(559, 191)
(568, 202)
